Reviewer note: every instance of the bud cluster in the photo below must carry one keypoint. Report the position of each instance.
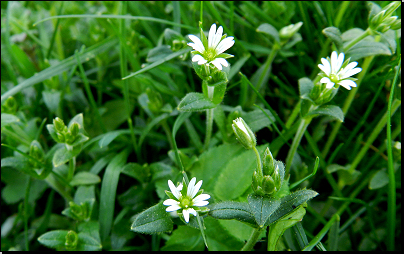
(77, 212)
(269, 180)
(71, 135)
(383, 21)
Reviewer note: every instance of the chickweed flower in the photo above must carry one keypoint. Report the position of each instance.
(210, 51)
(336, 71)
(188, 201)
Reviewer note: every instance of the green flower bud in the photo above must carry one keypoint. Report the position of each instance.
(268, 185)
(390, 20)
(390, 8)
(74, 129)
(9, 106)
(71, 240)
(243, 133)
(277, 178)
(61, 137)
(256, 180)
(396, 25)
(377, 19)
(155, 102)
(268, 162)
(288, 31)
(59, 124)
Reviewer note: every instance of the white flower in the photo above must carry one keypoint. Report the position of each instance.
(189, 203)
(212, 53)
(334, 74)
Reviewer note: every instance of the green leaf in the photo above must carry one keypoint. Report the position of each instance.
(379, 179)
(270, 30)
(62, 155)
(329, 110)
(290, 203)
(210, 164)
(51, 99)
(236, 177)
(62, 66)
(367, 48)
(153, 220)
(87, 243)
(184, 238)
(257, 120)
(84, 178)
(277, 229)
(305, 87)
(262, 207)
(218, 239)
(7, 119)
(158, 53)
(229, 210)
(195, 102)
(150, 125)
(108, 137)
(334, 34)
(108, 192)
(135, 170)
(220, 120)
(54, 239)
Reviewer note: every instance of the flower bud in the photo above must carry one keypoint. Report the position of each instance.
(288, 31)
(268, 162)
(390, 8)
(61, 137)
(74, 129)
(277, 178)
(243, 133)
(396, 25)
(71, 240)
(59, 124)
(9, 106)
(268, 185)
(256, 180)
(390, 20)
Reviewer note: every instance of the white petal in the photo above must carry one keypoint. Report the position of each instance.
(201, 203)
(351, 72)
(198, 46)
(325, 67)
(225, 44)
(334, 60)
(185, 213)
(329, 85)
(170, 202)
(199, 59)
(350, 66)
(173, 189)
(211, 35)
(325, 80)
(347, 84)
(196, 189)
(218, 62)
(339, 63)
(191, 186)
(217, 37)
(201, 197)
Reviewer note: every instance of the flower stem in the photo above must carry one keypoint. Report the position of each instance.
(72, 166)
(259, 166)
(296, 141)
(209, 123)
(253, 239)
(168, 133)
(347, 104)
(357, 39)
(27, 191)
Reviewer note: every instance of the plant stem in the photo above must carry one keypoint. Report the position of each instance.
(168, 133)
(296, 141)
(253, 239)
(293, 115)
(209, 124)
(357, 39)
(27, 191)
(72, 166)
(376, 131)
(391, 197)
(347, 104)
(259, 166)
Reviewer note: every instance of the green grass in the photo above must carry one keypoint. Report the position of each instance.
(111, 62)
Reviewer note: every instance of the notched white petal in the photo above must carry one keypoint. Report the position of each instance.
(347, 84)
(198, 46)
(326, 67)
(225, 44)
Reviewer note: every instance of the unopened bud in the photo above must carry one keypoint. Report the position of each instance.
(243, 133)
(59, 124)
(61, 137)
(396, 25)
(268, 162)
(288, 31)
(71, 240)
(268, 185)
(74, 129)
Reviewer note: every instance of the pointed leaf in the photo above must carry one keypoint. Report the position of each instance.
(334, 34)
(228, 210)
(87, 243)
(85, 178)
(270, 30)
(305, 87)
(195, 102)
(329, 110)
(54, 239)
(153, 220)
(290, 203)
(62, 155)
(366, 48)
(262, 207)
(7, 119)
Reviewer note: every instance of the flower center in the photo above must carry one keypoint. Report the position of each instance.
(210, 54)
(334, 78)
(185, 202)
